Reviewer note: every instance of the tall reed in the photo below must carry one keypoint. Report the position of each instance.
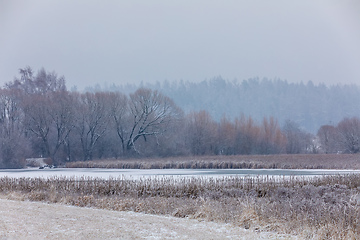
(284, 161)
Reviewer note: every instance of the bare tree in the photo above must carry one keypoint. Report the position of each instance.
(150, 114)
(61, 113)
(92, 120)
(227, 132)
(248, 135)
(272, 139)
(46, 106)
(349, 134)
(11, 115)
(119, 112)
(297, 140)
(38, 122)
(48, 118)
(201, 133)
(41, 83)
(12, 137)
(328, 138)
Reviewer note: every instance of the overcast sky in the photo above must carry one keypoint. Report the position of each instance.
(114, 41)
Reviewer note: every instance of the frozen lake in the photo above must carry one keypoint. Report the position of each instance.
(139, 173)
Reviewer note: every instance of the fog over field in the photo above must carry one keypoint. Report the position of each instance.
(122, 42)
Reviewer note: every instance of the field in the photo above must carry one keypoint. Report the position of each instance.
(285, 161)
(325, 207)
(37, 220)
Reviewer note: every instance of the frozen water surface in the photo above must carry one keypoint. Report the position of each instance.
(140, 173)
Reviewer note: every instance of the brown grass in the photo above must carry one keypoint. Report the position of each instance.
(286, 161)
(318, 208)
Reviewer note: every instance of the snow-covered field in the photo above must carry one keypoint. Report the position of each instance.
(34, 220)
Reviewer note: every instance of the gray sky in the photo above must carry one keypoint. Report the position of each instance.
(116, 41)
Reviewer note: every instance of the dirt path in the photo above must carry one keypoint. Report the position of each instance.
(34, 220)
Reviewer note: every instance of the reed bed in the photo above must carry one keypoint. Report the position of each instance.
(285, 161)
(326, 207)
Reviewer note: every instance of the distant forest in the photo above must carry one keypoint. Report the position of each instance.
(40, 118)
(307, 104)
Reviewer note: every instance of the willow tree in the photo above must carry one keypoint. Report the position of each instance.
(149, 115)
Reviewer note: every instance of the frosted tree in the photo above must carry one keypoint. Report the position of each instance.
(150, 114)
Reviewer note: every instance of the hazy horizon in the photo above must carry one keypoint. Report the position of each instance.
(122, 42)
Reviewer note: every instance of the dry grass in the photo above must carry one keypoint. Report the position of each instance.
(286, 161)
(319, 208)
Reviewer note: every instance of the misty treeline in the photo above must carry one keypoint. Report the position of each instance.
(40, 118)
(309, 105)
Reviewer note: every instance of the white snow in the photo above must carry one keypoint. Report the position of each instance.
(34, 220)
